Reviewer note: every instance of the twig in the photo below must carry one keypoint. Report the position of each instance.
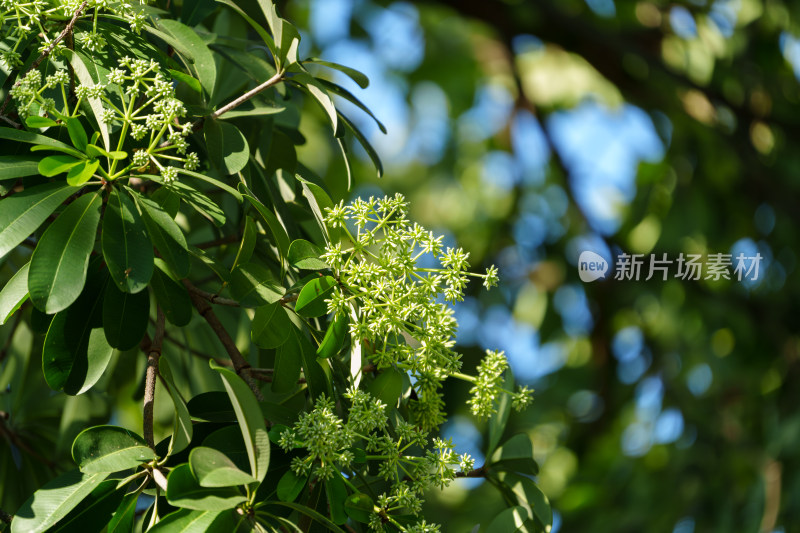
(478, 472)
(213, 298)
(50, 48)
(153, 354)
(240, 364)
(197, 353)
(278, 77)
(266, 375)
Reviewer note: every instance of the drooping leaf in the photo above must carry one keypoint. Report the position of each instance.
(317, 91)
(334, 337)
(247, 245)
(94, 512)
(337, 495)
(362, 140)
(126, 246)
(530, 497)
(316, 371)
(172, 297)
(512, 520)
(88, 367)
(311, 301)
(279, 235)
(251, 421)
(359, 77)
(305, 255)
(82, 172)
(265, 36)
(253, 285)
(125, 317)
(338, 90)
(14, 293)
(23, 212)
(54, 500)
(212, 468)
(319, 201)
(166, 235)
(109, 449)
(227, 146)
(59, 262)
(182, 430)
(271, 326)
(183, 490)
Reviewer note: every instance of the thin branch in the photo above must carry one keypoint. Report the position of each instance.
(197, 353)
(478, 472)
(274, 80)
(153, 355)
(50, 48)
(240, 364)
(219, 242)
(213, 298)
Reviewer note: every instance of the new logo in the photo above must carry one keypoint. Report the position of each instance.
(591, 266)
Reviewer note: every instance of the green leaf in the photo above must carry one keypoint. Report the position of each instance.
(54, 165)
(271, 326)
(311, 301)
(247, 245)
(89, 366)
(188, 521)
(198, 57)
(94, 512)
(212, 406)
(265, 36)
(14, 293)
(497, 424)
(359, 77)
(76, 133)
(218, 268)
(59, 262)
(190, 81)
(227, 146)
(109, 449)
(338, 90)
(125, 317)
(35, 121)
(311, 513)
(166, 199)
(54, 501)
(18, 166)
(182, 431)
(23, 212)
(183, 490)
(317, 91)
(515, 519)
(84, 77)
(199, 201)
(516, 454)
(228, 440)
(290, 486)
(288, 363)
(58, 148)
(215, 182)
(334, 337)
(530, 497)
(94, 151)
(257, 111)
(319, 201)
(337, 495)
(305, 255)
(35, 138)
(359, 507)
(251, 421)
(212, 468)
(253, 285)
(166, 235)
(373, 155)
(82, 172)
(286, 36)
(316, 371)
(126, 247)
(387, 387)
(172, 297)
(124, 516)
(279, 235)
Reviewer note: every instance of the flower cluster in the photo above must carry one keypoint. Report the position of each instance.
(330, 442)
(489, 384)
(20, 20)
(397, 301)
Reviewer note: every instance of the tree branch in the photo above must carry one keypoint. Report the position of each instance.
(240, 364)
(212, 298)
(274, 80)
(154, 353)
(478, 472)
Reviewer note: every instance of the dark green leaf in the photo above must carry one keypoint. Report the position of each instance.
(18, 166)
(212, 468)
(94, 512)
(126, 246)
(247, 245)
(279, 235)
(227, 147)
(166, 235)
(515, 519)
(124, 516)
(387, 387)
(359, 77)
(311, 301)
(290, 485)
(23, 212)
(253, 285)
(319, 201)
(251, 421)
(217, 183)
(54, 500)
(109, 449)
(305, 255)
(34, 138)
(125, 317)
(14, 293)
(337, 495)
(516, 454)
(59, 262)
(530, 497)
(497, 424)
(187, 43)
(183, 490)
(212, 406)
(271, 326)
(288, 363)
(359, 507)
(76, 133)
(182, 430)
(199, 201)
(373, 155)
(172, 297)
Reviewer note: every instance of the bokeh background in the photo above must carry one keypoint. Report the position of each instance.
(528, 131)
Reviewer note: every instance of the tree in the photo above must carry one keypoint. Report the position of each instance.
(169, 246)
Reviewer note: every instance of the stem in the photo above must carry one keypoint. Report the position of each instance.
(478, 472)
(213, 298)
(240, 364)
(274, 80)
(150, 378)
